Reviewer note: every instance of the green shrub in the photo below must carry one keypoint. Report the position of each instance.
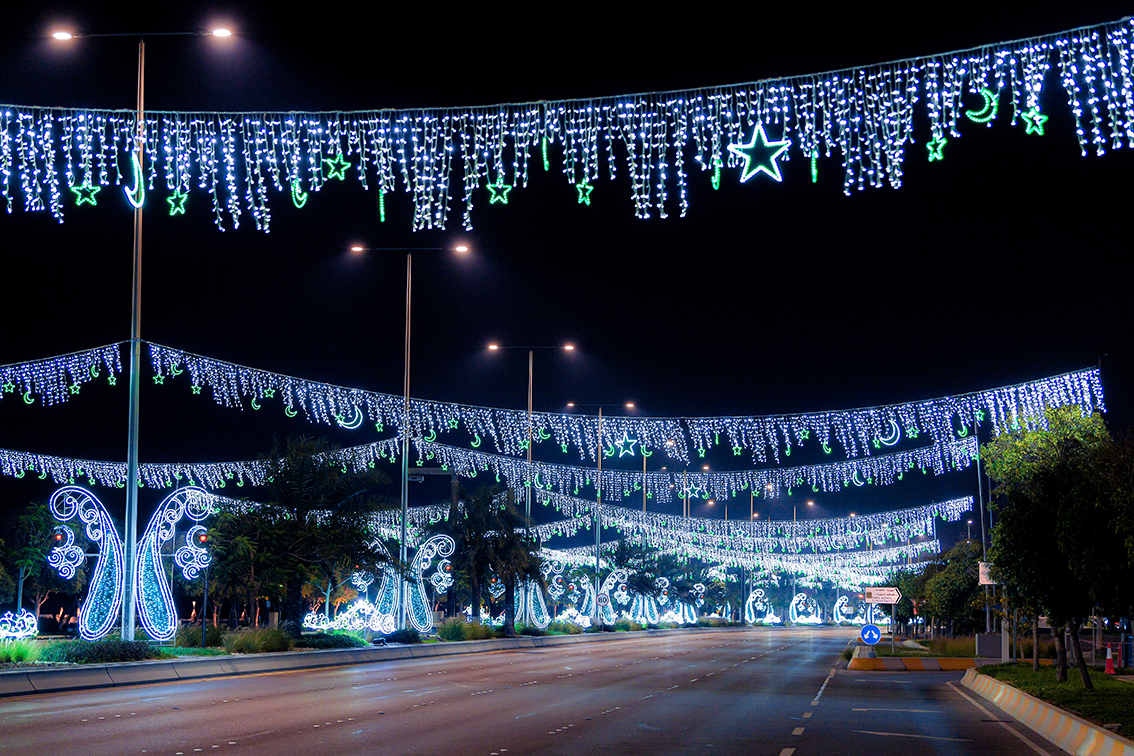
(625, 625)
(15, 651)
(257, 640)
(406, 635)
(102, 651)
(530, 630)
(189, 636)
(564, 628)
(456, 629)
(452, 630)
(328, 640)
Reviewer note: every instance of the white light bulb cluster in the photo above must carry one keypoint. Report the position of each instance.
(56, 379)
(667, 486)
(861, 118)
(857, 431)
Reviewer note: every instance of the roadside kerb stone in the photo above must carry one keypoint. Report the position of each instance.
(1061, 728)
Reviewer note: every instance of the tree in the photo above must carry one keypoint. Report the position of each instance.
(512, 555)
(30, 540)
(1053, 543)
(315, 526)
(953, 592)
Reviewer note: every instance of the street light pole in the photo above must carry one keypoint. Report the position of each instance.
(403, 553)
(136, 196)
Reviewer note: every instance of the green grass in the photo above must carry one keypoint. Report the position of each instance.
(1111, 702)
(180, 651)
(19, 651)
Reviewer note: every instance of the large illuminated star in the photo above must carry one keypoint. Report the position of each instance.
(625, 445)
(760, 155)
(584, 193)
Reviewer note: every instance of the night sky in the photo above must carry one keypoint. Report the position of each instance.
(1004, 263)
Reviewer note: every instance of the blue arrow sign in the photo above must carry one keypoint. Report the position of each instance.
(870, 634)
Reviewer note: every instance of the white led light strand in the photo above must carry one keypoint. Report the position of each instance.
(862, 118)
(665, 486)
(856, 431)
(57, 379)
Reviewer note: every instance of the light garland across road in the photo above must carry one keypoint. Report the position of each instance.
(861, 120)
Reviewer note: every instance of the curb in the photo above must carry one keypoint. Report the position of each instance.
(20, 682)
(1059, 727)
(907, 663)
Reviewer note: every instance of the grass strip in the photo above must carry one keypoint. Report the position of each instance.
(1111, 702)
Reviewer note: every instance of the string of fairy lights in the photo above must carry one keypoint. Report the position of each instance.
(860, 121)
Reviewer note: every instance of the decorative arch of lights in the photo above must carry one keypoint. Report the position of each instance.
(767, 438)
(859, 121)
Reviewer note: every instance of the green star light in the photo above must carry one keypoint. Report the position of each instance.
(1035, 121)
(177, 202)
(337, 167)
(584, 193)
(499, 191)
(760, 155)
(935, 147)
(85, 194)
(159, 379)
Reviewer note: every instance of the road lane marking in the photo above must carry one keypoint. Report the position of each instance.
(1005, 725)
(797, 731)
(787, 752)
(912, 711)
(908, 735)
(807, 715)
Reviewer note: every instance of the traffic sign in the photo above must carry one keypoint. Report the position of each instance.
(603, 599)
(882, 595)
(870, 634)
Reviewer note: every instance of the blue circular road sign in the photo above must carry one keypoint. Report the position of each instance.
(870, 634)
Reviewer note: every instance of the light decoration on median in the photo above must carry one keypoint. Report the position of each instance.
(18, 626)
(99, 610)
(56, 379)
(861, 119)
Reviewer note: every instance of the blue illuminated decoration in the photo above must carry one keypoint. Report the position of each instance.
(99, 610)
(191, 557)
(760, 155)
(156, 610)
(18, 626)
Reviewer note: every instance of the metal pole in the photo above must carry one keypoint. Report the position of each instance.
(528, 487)
(643, 481)
(598, 519)
(983, 542)
(402, 552)
(205, 608)
(130, 535)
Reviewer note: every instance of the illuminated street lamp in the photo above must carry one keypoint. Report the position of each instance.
(136, 196)
(531, 362)
(403, 556)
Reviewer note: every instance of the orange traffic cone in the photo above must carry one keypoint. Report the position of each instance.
(1109, 661)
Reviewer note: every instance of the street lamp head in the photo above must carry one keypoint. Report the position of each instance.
(569, 347)
(462, 248)
(494, 347)
(62, 35)
(221, 32)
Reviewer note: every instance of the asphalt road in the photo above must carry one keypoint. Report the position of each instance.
(762, 691)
